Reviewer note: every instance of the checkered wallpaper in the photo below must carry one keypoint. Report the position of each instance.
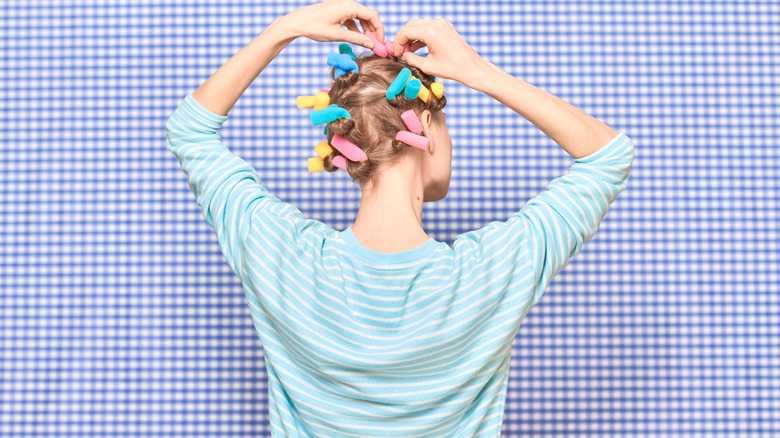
(120, 317)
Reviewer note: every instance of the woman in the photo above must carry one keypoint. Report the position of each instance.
(380, 330)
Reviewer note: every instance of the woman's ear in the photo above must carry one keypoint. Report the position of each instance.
(426, 120)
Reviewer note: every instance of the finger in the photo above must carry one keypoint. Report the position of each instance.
(364, 13)
(415, 60)
(354, 38)
(410, 32)
(417, 45)
(351, 25)
(366, 25)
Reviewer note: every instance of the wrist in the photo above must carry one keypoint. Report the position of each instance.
(480, 75)
(283, 30)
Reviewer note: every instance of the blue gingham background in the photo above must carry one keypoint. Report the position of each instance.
(120, 317)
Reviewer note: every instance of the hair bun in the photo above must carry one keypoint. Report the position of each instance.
(346, 80)
(340, 126)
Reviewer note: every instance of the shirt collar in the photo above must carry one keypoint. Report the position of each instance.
(354, 246)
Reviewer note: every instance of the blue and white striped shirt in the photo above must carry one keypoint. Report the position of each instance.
(361, 343)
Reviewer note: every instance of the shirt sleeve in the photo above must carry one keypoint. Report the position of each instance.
(559, 220)
(537, 242)
(226, 187)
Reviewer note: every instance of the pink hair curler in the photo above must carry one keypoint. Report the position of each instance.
(411, 121)
(379, 48)
(349, 149)
(340, 162)
(413, 139)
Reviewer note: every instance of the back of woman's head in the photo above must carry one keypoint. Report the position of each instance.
(375, 120)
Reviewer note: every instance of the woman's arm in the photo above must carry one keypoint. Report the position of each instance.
(576, 131)
(450, 56)
(527, 250)
(221, 91)
(228, 189)
(320, 22)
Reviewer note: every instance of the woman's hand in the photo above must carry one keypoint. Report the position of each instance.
(323, 22)
(449, 55)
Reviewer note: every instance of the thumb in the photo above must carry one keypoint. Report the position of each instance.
(355, 38)
(413, 59)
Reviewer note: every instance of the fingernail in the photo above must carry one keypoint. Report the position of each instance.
(369, 44)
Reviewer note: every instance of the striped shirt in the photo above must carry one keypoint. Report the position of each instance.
(414, 343)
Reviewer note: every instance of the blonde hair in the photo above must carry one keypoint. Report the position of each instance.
(375, 120)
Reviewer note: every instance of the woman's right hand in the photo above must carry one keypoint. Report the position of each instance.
(449, 55)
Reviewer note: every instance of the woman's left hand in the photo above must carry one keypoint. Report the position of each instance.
(323, 22)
